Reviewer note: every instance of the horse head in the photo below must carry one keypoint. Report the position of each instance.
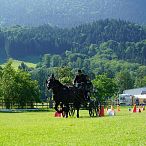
(52, 83)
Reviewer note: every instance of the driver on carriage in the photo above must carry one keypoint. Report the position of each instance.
(82, 82)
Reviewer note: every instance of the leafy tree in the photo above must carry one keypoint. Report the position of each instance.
(140, 82)
(141, 71)
(8, 82)
(46, 60)
(41, 74)
(64, 74)
(105, 87)
(124, 81)
(27, 90)
(0, 81)
(23, 67)
(18, 87)
(56, 61)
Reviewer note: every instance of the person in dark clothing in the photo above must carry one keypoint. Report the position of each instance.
(80, 82)
(80, 79)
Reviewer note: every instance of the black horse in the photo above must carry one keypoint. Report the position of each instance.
(64, 96)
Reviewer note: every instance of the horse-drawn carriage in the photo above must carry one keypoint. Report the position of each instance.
(68, 99)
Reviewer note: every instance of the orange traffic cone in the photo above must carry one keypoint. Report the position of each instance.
(134, 108)
(118, 108)
(101, 112)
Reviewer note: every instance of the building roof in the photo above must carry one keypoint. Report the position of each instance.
(136, 91)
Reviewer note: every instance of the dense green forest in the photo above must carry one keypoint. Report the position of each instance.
(114, 48)
(127, 40)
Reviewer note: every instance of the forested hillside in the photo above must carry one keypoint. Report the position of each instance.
(68, 13)
(124, 39)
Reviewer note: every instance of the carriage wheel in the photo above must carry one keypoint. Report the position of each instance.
(97, 112)
(91, 112)
(91, 109)
(71, 111)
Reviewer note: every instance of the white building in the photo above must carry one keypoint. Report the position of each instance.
(131, 96)
(126, 99)
(136, 91)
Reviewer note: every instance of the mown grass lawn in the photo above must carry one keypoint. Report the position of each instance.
(43, 129)
(16, 63)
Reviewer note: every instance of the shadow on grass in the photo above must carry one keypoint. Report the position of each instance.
(107, 116)
(25, 110)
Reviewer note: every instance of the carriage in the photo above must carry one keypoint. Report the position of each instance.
(91, 106)
(68, 99)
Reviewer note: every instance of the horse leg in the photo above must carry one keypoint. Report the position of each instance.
(66, 110)
(78, 107)
(77, 112)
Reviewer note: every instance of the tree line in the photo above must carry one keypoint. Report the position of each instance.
(17, 87)
(27, 85)
(124, 75)
(19, 41)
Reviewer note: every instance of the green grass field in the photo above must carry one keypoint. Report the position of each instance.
(16, 63)
(43, 129)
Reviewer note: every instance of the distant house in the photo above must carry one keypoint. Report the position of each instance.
(131, 96)
(136, 91)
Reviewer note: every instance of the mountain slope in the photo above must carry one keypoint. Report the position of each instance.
(67, 13)
(18, 42)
